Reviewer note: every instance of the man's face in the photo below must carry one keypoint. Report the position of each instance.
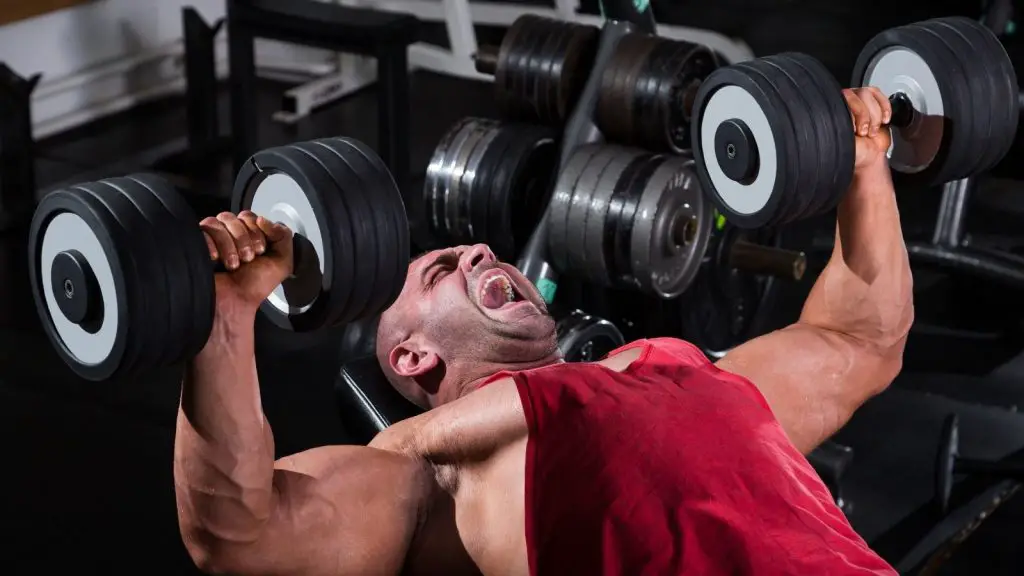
(464, 306)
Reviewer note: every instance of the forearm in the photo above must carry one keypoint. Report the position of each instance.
(865, 291)
(224, 452)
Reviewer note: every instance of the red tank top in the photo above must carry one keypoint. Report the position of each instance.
(672, 467)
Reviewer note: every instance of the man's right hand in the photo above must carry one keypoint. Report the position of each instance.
(870, 111)
(256, 253)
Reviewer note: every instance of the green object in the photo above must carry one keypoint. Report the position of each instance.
(719, 222)
(547, 290)
(641, 5)
(1011, 27)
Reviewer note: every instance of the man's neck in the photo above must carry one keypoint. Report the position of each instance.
(460, 387)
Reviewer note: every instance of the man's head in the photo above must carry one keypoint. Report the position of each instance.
(462, 316)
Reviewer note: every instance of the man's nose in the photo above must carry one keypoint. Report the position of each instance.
(475, 256)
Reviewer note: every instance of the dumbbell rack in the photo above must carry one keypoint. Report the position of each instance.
(621, 18)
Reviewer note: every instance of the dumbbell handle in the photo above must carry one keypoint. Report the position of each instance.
(767, 260)
(902, 110)
(486, 59)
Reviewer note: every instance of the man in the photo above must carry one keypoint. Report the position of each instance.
(652, 461)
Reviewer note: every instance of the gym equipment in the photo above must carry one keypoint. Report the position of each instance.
(540, 68)
(586, 338)
(948, 463)
(830, 460)
(773, 139)
(623, 217)
(486, 182)
(122, 278)
(647, 91)
(737, 278)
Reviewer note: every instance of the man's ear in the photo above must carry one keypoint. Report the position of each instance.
(413, 358)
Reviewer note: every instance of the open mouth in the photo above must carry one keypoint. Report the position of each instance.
(497, 291)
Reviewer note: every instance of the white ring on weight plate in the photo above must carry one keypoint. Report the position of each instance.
(67, 231)
(899, 69)
(726, 103)
(280, 198)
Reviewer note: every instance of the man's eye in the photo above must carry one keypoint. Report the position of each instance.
(440, 271)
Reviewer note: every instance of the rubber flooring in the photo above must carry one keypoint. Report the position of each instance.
(86, 484)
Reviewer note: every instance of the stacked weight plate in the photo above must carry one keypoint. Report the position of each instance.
(486, 182)
(647, 90)
(541, 69)
(625, 217)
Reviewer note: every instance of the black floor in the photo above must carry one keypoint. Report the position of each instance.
(87, 475)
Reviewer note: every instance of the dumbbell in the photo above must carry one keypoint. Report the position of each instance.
(487, 182)
(122, 278)
(540, 68)
(949, 463)
(773, 140)
(586, 338)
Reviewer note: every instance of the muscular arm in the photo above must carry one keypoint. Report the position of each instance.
(334, 510)
(848, 344)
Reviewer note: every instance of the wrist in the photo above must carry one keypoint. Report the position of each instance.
(232, 320)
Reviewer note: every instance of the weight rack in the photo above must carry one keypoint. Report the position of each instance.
(621, 18)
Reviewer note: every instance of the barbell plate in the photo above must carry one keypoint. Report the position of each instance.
(466, 158)
(389, 200)
(452, 171)
(579, 211)
(993, 82)
(574, 67)
(520, 186)
(546, 53)
(586, 338)
(834, 126)
(668, 257)
(624, 237)
(298, 185)
(561, 198)
(436, 176)
(69, 220)
(507, 78)
(905, 60)
(732, 94)
(471, 181)
(696, 66)
(552, 71)
(483, 180)
(193, 248)
(616, 268)
(170, 278)
(597, 266)
(610, 96)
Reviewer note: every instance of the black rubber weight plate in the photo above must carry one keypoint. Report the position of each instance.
(470, 181)
(149, 296)
(170, 278)
(384, 233)
(807, 145)
(189, 241)
(480, 202)
(836, 131)
(391, 202)
(975, 121)
(992, 66)
(520, 184)
(74, 203)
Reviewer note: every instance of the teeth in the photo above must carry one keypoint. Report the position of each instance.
(506, 286)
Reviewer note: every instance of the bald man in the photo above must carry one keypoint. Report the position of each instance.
(651, 461)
